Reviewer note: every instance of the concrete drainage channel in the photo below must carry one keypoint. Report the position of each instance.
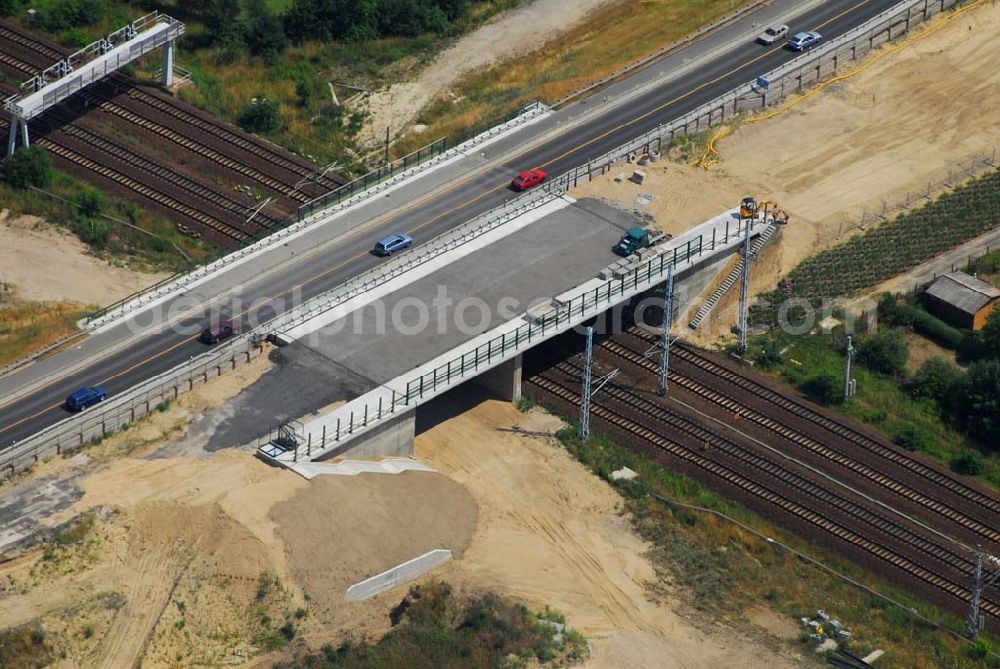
(398, 575)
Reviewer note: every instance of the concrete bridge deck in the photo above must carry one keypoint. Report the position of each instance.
(380, 420)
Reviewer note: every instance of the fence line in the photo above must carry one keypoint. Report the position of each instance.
(970, 167)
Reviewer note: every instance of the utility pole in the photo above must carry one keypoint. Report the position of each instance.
(972, 623)
(585, 396)
(668, 318)
(849, 385)
(744, 290)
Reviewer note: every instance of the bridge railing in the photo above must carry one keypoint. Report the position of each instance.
(753, 95)
(407, 261)
(385, 401)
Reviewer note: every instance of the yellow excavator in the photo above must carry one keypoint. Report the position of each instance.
(750, 206)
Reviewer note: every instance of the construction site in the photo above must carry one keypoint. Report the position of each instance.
(650, 484)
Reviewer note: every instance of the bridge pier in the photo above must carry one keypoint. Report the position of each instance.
(167, 77)
(504, 380)
(394, 437)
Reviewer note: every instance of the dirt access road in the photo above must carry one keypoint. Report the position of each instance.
(506, 36)
(890, 129)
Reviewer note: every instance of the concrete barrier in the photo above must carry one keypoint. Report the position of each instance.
(123, 410)
(398, 575)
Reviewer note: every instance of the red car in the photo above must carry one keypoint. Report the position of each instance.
(526, 180)
(219, 331)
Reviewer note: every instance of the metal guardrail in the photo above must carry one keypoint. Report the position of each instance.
(387, 175)
(35, 355)
(662, 52)
(727, 105)
(485, 354)
(401, 264)
(376, 176)
(587, 304)
(563, 182)
(124, 409)
(181, 279)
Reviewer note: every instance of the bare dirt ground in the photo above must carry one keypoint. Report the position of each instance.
(893, 127)
(197, 558)
(45, 263)
(506, 36)
(552, 534)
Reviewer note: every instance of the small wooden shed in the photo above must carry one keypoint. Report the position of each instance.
(961, 300)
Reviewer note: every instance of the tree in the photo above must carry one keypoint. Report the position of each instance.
(265, 33)
(8, 7)
(260, 115)
(935, 379)
(331, 20)
(223, 24)
(885, 352)
(27, 167)
(893, 312)
(990, 334)
(974, 402)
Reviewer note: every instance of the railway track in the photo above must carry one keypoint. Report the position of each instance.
(842, 430)
(937, 509)
(218, 147)
(907, 550)
(274, 156)
(107, 104)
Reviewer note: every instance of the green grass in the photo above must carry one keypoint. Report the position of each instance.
(611, 38)
(723, 571)
(156, 253)
(881, 402)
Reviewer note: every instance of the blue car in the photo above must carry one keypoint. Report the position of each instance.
(803, 41)
(85, 397)
(389, 245)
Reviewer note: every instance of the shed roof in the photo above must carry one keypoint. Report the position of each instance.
(963, 292)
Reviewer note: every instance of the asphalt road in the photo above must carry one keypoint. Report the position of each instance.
(474, 194)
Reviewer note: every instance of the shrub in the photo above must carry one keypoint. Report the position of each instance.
(27, 167)
(936, 329)
(260, 115)
(823, 388)
(990, 334)
(934, 379)
(91, 202)
(913, 438)
(968, 462)
(885, 352)
(770, 355)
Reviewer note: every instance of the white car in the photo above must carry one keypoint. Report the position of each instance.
(773, 34)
